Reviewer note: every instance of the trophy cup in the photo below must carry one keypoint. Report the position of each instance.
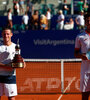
(17, 62)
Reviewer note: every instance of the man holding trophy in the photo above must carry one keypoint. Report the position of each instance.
(8, 51)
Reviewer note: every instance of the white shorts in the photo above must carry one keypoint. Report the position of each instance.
(60, 26)
(85, 82)
(8, 89)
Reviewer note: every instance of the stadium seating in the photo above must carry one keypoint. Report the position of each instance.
(43, 9)
(22, 27)
(17, 20)
(15, 27)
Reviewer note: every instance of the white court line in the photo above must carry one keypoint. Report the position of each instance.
(66, 88)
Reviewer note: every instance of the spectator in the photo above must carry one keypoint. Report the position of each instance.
(80, 5)
(21, 3)
(16, 8)
(60, 21)
(48, 15)
(80, 20)
(43, 22)
(85, 7)
(65, 8)
(60, 4)
(69, 25)
(25, 20)
(34, 22)
(30, 8)
(10, 24)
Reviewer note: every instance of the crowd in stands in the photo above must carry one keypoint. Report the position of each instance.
(34, 20)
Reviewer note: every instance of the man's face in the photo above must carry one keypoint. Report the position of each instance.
(87, 23)
(7, 34)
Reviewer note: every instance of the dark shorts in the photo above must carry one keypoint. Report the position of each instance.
(8, 79)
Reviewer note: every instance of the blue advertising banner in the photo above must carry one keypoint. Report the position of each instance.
(46, 44)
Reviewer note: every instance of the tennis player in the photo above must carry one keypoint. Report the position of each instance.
(82, 45)
(7, 73)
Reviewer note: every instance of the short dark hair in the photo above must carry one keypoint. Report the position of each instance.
(9, 9)
(6, 28)
(35, 11)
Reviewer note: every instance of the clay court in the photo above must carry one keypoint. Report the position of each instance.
(42, 81)
(47, 97)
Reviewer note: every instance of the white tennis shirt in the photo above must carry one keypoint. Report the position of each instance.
(6, 55)
(83, 42)
(60, 17)
(80, 19)
(48, 15)
(25, 19)
(10, 16)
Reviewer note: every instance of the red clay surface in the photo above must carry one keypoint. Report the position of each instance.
(45, 77)
(46, 97)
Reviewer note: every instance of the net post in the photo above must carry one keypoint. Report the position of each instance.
(62, 76)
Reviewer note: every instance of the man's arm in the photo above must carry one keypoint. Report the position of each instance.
(6, 66)
(76, 20)
(77, 54)
(60, 20)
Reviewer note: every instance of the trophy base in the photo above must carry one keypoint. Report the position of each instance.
(17, 65)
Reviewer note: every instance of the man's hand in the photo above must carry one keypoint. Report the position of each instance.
(24, 63)
(9, 64)
(83, 57)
